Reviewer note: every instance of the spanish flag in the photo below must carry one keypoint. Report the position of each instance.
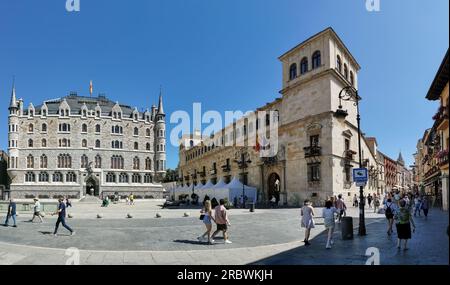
(91, 88)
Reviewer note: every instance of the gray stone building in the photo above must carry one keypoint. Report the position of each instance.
(77, 145)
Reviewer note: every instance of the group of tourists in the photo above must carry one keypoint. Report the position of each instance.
(219, 216)
(369, 199)
(335, 208)
(399, 207)
(63, 204)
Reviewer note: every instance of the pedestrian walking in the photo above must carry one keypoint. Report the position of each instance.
(11, 213)
(61, 212)
(355, 201)
(341, 207)
(222, 221)
(307, 213)
(425, 206)
(404, 221)
(376, 203)
(369, 200)
(273, 201)
(207, 218)
(131, 199)
(328, 215)
(389, 210)
(36, 210)
(68, 203)
(417, 205)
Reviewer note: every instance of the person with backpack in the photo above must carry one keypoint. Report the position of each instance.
(389, 213)
(404, 222)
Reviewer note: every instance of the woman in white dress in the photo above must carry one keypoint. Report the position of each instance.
(307, 213)
(329, 213)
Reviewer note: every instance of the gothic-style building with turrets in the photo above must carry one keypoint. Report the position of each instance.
(78, 145)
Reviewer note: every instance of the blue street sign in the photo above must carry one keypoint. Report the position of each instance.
(360, 174)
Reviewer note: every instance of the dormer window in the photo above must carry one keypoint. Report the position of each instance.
(31, 112)
(84, 113)
(97, 114)
(119, 115)
(44, 112)
(67, 113)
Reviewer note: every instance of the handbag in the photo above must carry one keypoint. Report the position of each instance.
(202, 216)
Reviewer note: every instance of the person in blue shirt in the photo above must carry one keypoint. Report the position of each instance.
(11, 213)
(61, 212)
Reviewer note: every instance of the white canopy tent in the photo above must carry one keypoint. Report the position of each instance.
(236, 189)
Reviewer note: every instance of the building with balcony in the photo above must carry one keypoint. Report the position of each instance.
(314, 151)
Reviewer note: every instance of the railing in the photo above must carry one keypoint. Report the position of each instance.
(442, 157)
(312, 151)
(349, 154)
(226, 168)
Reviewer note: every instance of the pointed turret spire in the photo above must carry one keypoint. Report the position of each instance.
(400, 159)
(13, 103)
(160, 104)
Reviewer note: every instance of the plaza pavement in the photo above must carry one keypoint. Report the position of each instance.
(264, 237)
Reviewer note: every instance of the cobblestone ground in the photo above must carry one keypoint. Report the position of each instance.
(263, 237)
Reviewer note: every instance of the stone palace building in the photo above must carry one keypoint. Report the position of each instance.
(317, 149)
(78, 145)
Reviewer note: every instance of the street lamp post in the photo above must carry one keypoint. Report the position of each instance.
(243, 164)
(349, 93)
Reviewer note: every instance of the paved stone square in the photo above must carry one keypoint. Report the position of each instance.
(268, 236)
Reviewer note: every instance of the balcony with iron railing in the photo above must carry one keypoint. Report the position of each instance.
(441, 118)
(442, 157)
(314, 150)
(226, 168)
(349, 154)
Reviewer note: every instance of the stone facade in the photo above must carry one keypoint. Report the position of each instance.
(315, 151)
(79, 145)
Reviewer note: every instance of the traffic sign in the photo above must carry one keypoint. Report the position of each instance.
(360, 175)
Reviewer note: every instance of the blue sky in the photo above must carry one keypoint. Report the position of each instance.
(222, 53)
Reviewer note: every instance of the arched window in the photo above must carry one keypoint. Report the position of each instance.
(136, 145)
(117, 162)
(316, 59)
(136, 163)
(339, 64)
(84, 143)
(30, 161)
(147, 132)
(148, 178)
(352, 78)
(157, 147)
(111, 177)
(44, 128)
(147, 146)
(345, 71)
(30, 128)
(98, 161)
(71, 177)
(30, 143)
(191, 143)
(84, 161)
(148, 163)
(97, 143)
(84, 128)
(43, 177)
(57, 177)
(44, 143)
(304, 65)
(293, 71)
(97, 128)
(136, 131)
(123, 178)
(30, 177)
(44, 161)
(136, 178)
(64, 161)
(117, 130)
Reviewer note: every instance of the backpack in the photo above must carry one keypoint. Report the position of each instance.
(388, 211)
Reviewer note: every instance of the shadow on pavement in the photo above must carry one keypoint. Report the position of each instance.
(428, 246)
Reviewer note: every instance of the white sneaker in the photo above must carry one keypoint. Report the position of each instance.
(331, 242)
(328, 246)
(72, 233)
(228, 241)
(212, 241)
(200, 239)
